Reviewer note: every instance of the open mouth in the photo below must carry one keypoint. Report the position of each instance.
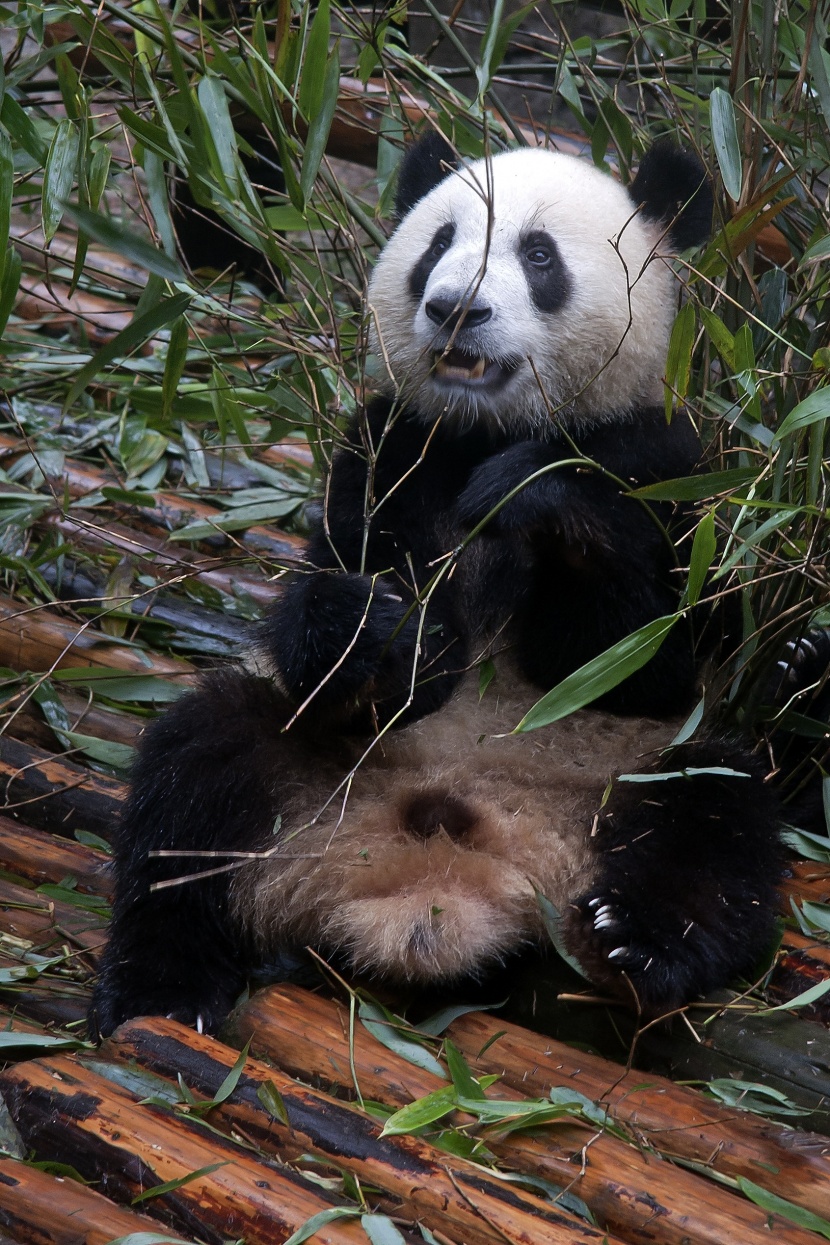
(458, 367)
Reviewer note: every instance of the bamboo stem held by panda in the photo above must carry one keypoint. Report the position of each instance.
(66, 1113)
(47, 1210)
(446, 1193)
(627, 1190)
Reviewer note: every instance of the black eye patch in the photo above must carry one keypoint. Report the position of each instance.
(440, 244)
(547, 276)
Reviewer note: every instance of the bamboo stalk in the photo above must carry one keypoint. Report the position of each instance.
(67, 1113)
(446, 1193)
(40, 1209)
(628, 1190)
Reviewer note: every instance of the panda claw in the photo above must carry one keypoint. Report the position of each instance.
(595, 902)
(619, 953)
(604, 910)
(605, 922)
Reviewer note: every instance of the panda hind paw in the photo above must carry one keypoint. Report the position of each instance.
(620, 953)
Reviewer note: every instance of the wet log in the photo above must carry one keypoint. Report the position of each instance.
(39, 857)
(449, 1194)
(67, 1113)
(628, 1189)
(38, 1209)
(52, 793)
(801, 963)
(38, 638)
(49, 924)
(89, 718)
(169, 511)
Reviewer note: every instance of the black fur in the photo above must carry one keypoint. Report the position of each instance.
(672, 187)
(687, 880)
(420, 274)
(571, 564)
(425, 164)
(547, 276)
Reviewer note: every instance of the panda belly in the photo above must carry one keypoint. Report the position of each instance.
(423, 864)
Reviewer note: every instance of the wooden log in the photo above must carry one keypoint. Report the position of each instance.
(801, 963)
(51, 793)
(67, 1113)
(627, 1189)
(39, 857)
(446, 1193)
(52, 303)
(228, 573)
(49, 924)
(39, 1209)
(38, 638)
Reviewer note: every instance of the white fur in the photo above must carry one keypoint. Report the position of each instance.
(601, 356)
(437, 908)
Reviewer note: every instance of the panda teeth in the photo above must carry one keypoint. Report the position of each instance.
(477, 371)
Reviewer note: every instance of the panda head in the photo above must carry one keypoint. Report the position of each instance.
(531, 284)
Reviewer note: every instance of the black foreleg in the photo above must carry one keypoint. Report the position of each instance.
(207, 780)
(687, 867)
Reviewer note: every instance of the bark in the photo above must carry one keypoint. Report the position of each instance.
(68, 1114)
(54, 794)
(629, 1190)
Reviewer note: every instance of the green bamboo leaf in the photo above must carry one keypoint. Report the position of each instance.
(124, 241)
(23, 130)
(599, 675)
(58, 175)
(697, 488)
(6, 192)
(320, 124)
(806, 997)
(170, 1186)
(380, 1026)
(423, 1111)
(321, 1220)
(232, 1079)
(9, 285)
(812, 410)
(723, 340)
(173, 365)
(94, 183)
(313, 79)
(381, 1230)
(776, 1205)
(134, 335)
(272, 1100)
(725, 139)
(487, 64)
(703, 553)
(462, 1078)
(679, 358)
(818, 251)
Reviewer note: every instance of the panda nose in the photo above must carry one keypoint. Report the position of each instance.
(454, 313)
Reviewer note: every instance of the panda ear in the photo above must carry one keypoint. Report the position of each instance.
(673, 188)
(424, 165)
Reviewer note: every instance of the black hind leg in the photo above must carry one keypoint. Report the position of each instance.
(207, 778)
(685, 891)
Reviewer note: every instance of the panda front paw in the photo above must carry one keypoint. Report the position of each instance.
(507, 494)
(203, 1010)
(332, 633)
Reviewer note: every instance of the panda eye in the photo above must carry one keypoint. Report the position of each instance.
(438, 248)
(539, 255)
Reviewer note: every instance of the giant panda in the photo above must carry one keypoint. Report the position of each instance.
(360, 791)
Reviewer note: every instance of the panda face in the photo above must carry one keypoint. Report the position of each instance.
(523, 288)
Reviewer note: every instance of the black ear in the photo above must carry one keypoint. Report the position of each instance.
(424, 165)
(672, 187)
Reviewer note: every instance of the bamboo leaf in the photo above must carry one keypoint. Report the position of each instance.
(812, 410)
(320, 124)
(776, 1205)
(9, 285)
(312, 81)
(804, 999)
(423, 1111)
(698, 487)
(170, 1186)
(126, 243)
(679, 359)
(58, 175)
(390, 1036)
(173, 365)
(321, 1220)
(6, 192)
(703, 553)
(725, 140)
(599, 675)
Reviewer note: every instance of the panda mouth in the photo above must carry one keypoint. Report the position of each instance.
(460, 367)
